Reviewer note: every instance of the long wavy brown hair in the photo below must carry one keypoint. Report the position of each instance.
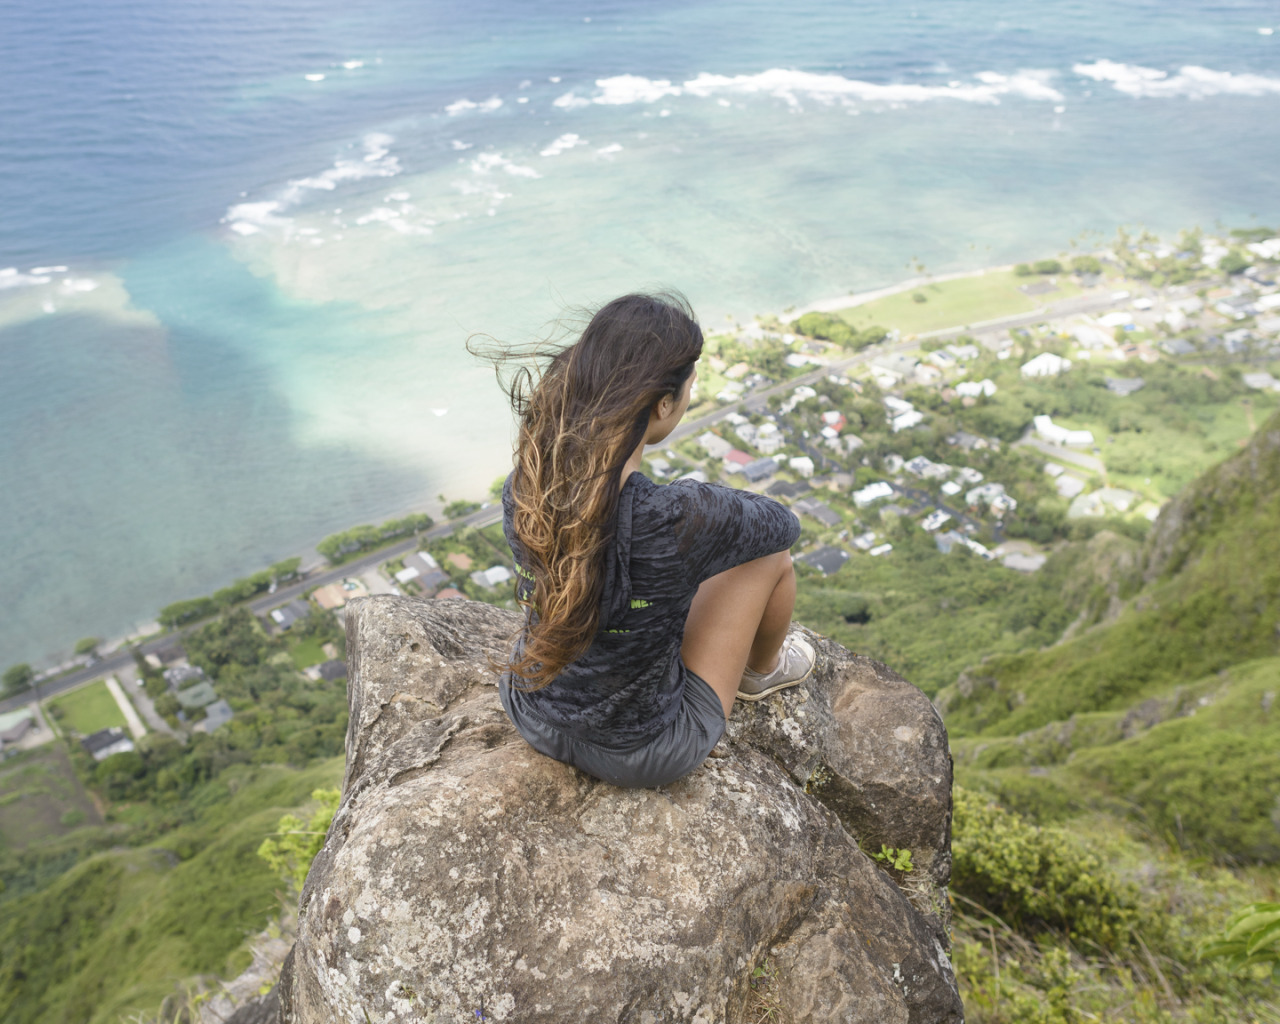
(581, 413)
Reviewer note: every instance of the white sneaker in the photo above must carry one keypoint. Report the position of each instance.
(795, 665)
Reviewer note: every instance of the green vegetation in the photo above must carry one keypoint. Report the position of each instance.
(38, 790)
(181, 612)
(88, 645)
(295, 843)
(833, 328)
(1252, 936)
(18, 678)
(87, 709)
(107, 937)
(459, 509)
(1039, 267)
(338, 547)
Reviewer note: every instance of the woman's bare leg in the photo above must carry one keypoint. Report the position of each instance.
(739, 618)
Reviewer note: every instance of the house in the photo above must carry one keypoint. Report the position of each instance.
(735, 460)
(786, 489)
(659, 467)
(105, 742)
(760, 469)
(1119, 318)
(896, 405)
(922, 467)
(491, 577)
(801, 465)
(976, 388)
(852, 442)
(183, 675)
(906, 420)
(965, 441)
(951, 488)
(334, 668)
(1177, 347)
(336, 595)
(800, 394)
(872, 493)
(15, 725)
(1069, 486)
(1054, 434)
(197, 696)
(459, 561)
(286, 615)
(934, 520)
(449, 593)
(696, 474)
(1093, 338)
(892, 463)
(969, 475)
(865, 541)
(834, 419)
(940, 358)
(1053, 470)
(818, 510)
(769, 438)
(747, 433)
(418, 566)
(714, 445)
(964, 353)
(1236, 307)
(952, 538)
(826, 559)
(1023, 563)
(1260, 381)
(882, 549)
(1125, 386)
(216, 715)
(993, 496)
(1046, 364)
(896, 365)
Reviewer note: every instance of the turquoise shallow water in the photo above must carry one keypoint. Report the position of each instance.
(258, 336)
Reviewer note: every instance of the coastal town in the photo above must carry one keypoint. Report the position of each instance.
(1051, 409)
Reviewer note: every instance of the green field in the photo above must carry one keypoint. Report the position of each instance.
(88, 709)
(307, 651)
(966, 300)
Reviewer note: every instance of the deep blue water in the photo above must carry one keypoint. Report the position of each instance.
(276, 272)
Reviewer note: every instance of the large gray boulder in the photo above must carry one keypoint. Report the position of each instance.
(465, 875)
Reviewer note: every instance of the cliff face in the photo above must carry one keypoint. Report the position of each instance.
(466, 876)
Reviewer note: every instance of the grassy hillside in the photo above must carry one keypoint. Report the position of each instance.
(1211, 600)
(111, 936)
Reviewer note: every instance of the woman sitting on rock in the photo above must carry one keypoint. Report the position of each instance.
(650, 608)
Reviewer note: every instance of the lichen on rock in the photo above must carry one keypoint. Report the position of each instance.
(465, 874)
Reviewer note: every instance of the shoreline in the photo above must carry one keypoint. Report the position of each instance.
(313, 560)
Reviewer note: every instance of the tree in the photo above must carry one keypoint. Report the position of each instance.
(18, 678)
(1234, 262)
(88, 645)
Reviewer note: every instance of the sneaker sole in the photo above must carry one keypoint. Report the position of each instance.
(751, 698)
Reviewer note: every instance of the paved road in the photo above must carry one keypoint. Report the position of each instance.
(1063, 454)
(756, 401)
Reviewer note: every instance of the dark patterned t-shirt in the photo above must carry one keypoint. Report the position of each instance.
(627, 686)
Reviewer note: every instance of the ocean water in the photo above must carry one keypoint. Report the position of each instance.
(242, 245)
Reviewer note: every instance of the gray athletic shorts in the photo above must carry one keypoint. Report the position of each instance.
(672, 754)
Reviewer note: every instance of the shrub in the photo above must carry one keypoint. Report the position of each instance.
(296, 843)
(1038, 878)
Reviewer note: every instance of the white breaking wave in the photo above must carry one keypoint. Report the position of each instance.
(462, 106)
(10, 277)
(377, 162)
(1191, 81)
(564, 142)
(486, 163)
(795, 86)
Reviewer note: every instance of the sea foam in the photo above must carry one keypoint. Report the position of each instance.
(794, 87)
(462, 106)
(564, 142)
(376, 162)
(1191, 81)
